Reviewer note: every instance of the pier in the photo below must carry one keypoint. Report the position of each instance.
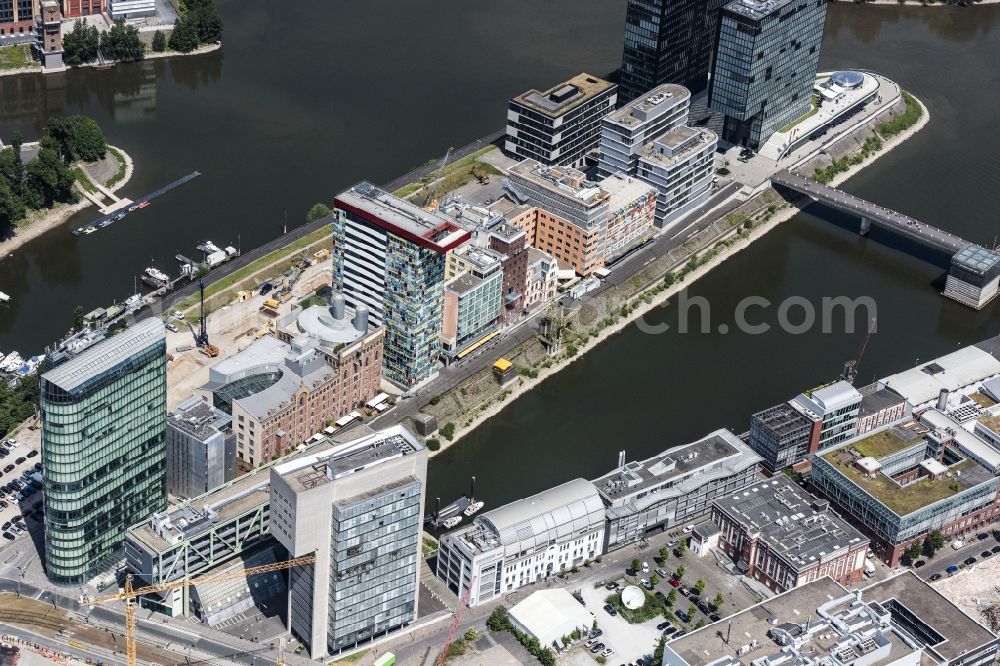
(974, 278)
(122, 207)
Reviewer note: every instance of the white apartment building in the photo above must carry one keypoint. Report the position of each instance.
(523, 542)
(837, 405)
(627, 130)
(679, 164)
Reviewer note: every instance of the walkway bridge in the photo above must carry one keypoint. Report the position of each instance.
(974, 275)
(871, 213)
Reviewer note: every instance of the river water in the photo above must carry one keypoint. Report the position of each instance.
(295, 108)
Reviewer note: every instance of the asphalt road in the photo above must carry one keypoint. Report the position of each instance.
(948, 556)
(453, 375)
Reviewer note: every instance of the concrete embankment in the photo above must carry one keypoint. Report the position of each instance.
(479, 397)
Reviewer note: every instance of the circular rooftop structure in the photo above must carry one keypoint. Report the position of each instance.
(633, 597)
(847, 78)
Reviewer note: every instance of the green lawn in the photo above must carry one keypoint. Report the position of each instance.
(16, 57)
(82, 178)
(115, 179)
(454, 175)
(881, 444)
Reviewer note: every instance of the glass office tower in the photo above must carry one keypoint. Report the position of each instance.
(104, 412)
(767, 52)
(667, 41)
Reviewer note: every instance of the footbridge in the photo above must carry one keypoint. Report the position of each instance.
(974, 276)
(871, 213)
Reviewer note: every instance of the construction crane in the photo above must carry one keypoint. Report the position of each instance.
(454, 623)
(429, 200)
(129, 594)
(851, 367)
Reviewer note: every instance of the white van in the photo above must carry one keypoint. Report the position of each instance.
(958, 543)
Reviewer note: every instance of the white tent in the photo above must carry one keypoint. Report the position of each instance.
(548, 615)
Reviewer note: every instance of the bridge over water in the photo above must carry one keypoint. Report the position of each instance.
(871, 213)
(974, 277)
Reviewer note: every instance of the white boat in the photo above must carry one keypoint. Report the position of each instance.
(11, 362)
(451, 522)
(472, 508)
(4, 298)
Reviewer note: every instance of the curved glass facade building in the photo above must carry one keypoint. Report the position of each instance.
(103, 447)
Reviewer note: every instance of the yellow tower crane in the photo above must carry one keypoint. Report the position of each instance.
(129, 594)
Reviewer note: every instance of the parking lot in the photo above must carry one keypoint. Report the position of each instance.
(20, 488)
(634, 643)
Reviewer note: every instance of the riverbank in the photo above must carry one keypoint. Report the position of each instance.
(712, 252)
(38, 222)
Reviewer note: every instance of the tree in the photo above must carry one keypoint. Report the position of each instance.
(448, 430)
(11, 206)
(47, 180)
(664, 554)
(16, 141)
(78, 321)
(636, 566)
(680, 571)
(700, 586)
(433, 444)
(184, 37)
(77, 138)
(672, 597)
(682, 548)
(207, 23)
(654, 580)
(691, 612)
(80, 44)
(122, 42)
(718, 601)
(934, 542)
(658, 652)
(499, 620)
(317, 211)
(159, 41)
(471, 635)
(914, 550)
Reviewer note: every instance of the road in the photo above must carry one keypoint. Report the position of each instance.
(453, 375)
(879, 215)
(947, 556)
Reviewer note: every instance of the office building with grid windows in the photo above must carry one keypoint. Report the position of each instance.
(104, 420)
(766, 56)
(560, 125)
(358, 508)
(389, 256)
(627, 130)
(667, 41)
(472, 301)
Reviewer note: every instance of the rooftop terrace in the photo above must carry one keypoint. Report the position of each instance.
(906, 499)
(651, 105)
(563, 97)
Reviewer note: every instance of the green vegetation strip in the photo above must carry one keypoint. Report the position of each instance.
(122, 167)
(453, 175)
(82, 178)
(16, 57)
(258, 264)
(873, 144)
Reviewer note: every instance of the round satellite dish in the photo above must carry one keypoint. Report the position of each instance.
(847, 78)
(633, 597)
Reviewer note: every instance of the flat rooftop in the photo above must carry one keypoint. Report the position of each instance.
(430, 229)
(904, 500)
(960, 632)
(650, 106)
(755, 9)
(564, 97)
(879, 399)
(197, 418)
(565, 182)
(677, 146)
(954, 371)
(483, 259)
(463, 283)
(106, 354)
(799, 527)
(622, 190)
(242, 494)
(670, 465)
(797, 605)
(783, 419)
(309, 471)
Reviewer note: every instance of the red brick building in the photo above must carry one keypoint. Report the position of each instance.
(784, 537)
(17, 17)
(78, 8)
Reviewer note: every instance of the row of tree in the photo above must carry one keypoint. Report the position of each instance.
(200, 24)
(46, 179)
(121, 43)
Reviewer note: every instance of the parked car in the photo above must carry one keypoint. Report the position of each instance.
(8, 535)
(20, 460)
(714, 617)
(935, 577)
(607, 652)
(674, 582)
(596, 632)
(591, 643)
(687, 529)
(661, 572)
(969, 561)
(265, 288)
(663, 625)
(611, 586)
(951, 570)
(681, 615)
(610, 610)
(170, 326)
(958, 543)
(645, 567)
(918, 564)
(597, 647)
(645, 583)
(983, 536)
(985, 554)
(684, 591)
(6, 526)
(8, 468)
(669, 629)
(995, 549)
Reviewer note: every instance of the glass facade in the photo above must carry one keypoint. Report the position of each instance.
(667, 41)
(765, 65)
(373, 564)
(103, 447)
